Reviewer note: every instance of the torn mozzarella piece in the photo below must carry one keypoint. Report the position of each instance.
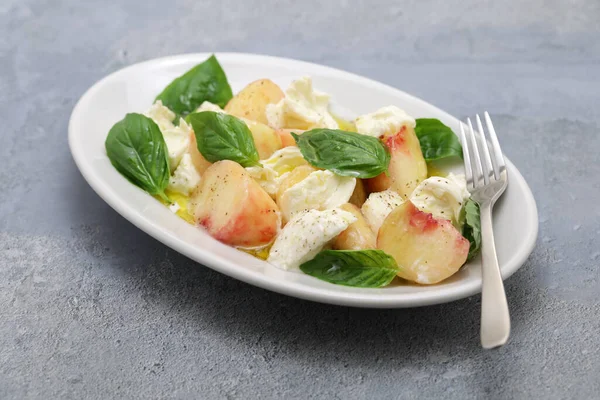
(174, 207)
(388, 119)
(185, 178)
(378, 206)
(177, 138)
(177, 145)
(301, 108)
(442, 197)
(275, 168)
(320, 190)
(306, 235)
(161, 115)
(208, 106)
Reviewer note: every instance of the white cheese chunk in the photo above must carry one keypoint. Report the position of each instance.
(185, 178)
(306, 235)
(442, 197)
(320, 190)
(174, 207)
(177, 145)
(388, 119)
(301, 108)
(177, 138)
(378, 206)
(161, 115)
(276, 168)
(208, 106)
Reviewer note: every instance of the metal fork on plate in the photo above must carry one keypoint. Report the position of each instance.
(485, 171)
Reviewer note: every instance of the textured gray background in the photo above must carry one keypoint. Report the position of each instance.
(91, 307)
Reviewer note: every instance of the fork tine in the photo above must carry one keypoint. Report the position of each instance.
(477, 170)
(499, 158)
(488, 168)
(466, 156)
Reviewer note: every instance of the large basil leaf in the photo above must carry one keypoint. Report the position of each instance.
(137, 149)
(221, 136)
(472, 227)
(437, 140)
(359, 268)
(342, 152)
(204, 82)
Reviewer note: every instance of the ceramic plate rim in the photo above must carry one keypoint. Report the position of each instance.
(367, 298)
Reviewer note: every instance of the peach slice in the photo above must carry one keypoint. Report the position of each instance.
(358, 236)
(286, 136)
(252, 101)
(198, 159)
(379, 183)
(233, 207)
(266, 139)
(407, 166)
(295, 176)
(427, 250)
(359, 196)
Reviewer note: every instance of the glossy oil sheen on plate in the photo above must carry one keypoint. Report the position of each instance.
(134, 88)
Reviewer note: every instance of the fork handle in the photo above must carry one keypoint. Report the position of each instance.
(495, 318)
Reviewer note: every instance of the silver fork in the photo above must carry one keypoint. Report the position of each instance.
(485, 171)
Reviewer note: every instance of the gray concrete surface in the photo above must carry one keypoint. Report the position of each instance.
(90, 307)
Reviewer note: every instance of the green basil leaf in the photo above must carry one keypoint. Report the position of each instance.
(437, 140)
(136, 148)
(345, 153)
(358, 268)
(472, 227)
(222, 136)
(204, 82)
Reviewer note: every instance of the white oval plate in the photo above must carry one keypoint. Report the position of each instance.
(133, 89)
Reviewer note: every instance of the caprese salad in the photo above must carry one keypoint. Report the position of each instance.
(277, 175)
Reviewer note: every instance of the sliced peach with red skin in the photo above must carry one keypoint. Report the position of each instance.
(233, 208)
(407, 166)
(358, 236)
(427, 249)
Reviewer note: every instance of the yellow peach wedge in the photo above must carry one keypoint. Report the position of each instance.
(295, 176)
(252, 101)
(359, 196)
(286, 137)
(358, 236)
(198, 159)
(266, 139)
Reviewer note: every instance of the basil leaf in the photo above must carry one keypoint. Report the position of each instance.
(358, 268)
(342, 152)
(472, 227)
(436, 139)
(204, 82)
(136, 148)
(222, 136)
